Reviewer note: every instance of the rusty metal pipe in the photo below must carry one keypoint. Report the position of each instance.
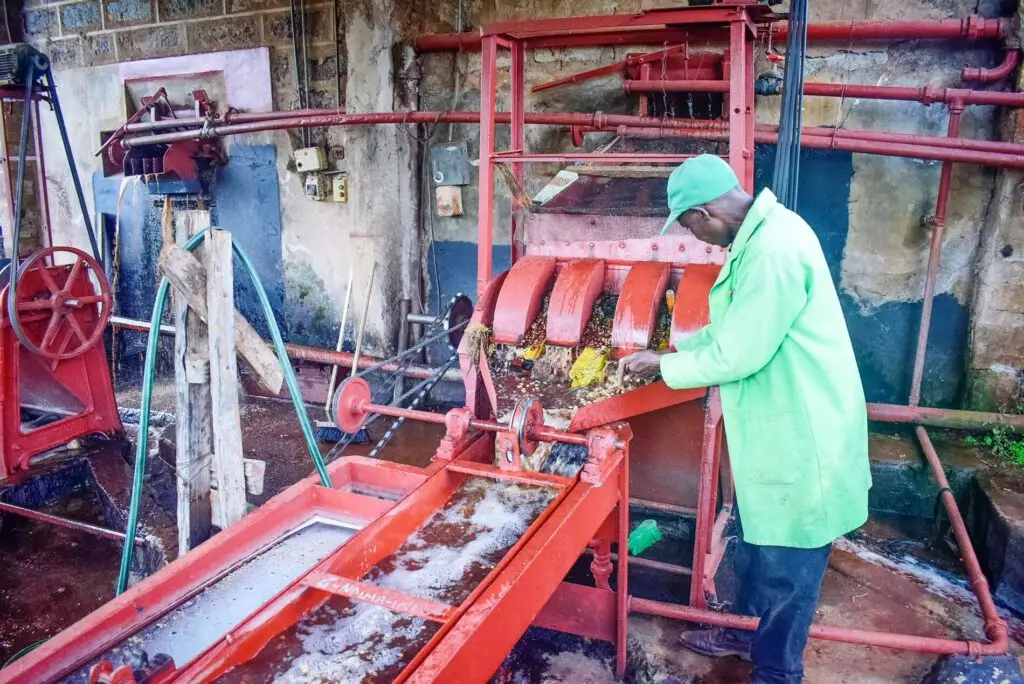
(938, 223)
(972, 29)
(924, 95)
(995, 627)
(904, 642)
(688, 86)
(39, 516)
(597, 120)
(302, 352)
(954, 419)
(856, 145)
(1004, 69)
(230, 117)
(769, 133)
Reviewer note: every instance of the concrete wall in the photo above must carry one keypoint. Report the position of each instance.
(868, 211)
(95, 43)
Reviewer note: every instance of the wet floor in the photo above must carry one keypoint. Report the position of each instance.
(52, 576)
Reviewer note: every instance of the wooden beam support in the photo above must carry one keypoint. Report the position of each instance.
(229, 469)
(188, 276)
(193, 424)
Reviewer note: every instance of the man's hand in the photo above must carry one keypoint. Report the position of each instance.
(643, 363)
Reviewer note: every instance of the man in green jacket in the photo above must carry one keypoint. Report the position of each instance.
(794, 409)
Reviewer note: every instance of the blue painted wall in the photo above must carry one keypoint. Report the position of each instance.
(244, 198)
(883, 340)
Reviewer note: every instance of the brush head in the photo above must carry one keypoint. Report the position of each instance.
(643, 537)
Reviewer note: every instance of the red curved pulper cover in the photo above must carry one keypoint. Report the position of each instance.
(637, 310)
(572, 299)
(692, 311)
(520, 296)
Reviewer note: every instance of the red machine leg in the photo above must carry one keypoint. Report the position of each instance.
(706, 501)
(622, 580)
(601, 566)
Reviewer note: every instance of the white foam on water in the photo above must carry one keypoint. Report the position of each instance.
(197, 624)
(353, 644)
(925, 575)
(569, 666)
(504, 511)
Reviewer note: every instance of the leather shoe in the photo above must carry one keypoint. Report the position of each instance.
(716, 643)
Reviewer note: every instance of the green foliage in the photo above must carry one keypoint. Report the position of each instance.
(1003, 444)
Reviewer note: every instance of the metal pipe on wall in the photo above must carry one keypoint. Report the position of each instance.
(301, 352)
(924, 94)
(228, 117)
(1002, 70)
(972, 29)
(938, 224)
(985, 155)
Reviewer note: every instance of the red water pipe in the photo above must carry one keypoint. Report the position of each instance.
(924, 94)
(597, 120)
(995, 628)
(1005, 68)
(854, 145)
(301, 352)
(904, 642)
(938, 224)
(77, 525)
(768, 131)
(691, 86)
(953, 419)
(972, 28)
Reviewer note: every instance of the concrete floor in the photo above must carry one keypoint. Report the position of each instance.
(876, 581)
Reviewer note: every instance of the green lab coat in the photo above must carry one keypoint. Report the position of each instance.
(792, 399)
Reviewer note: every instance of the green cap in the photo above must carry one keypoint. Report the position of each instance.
(695, 182)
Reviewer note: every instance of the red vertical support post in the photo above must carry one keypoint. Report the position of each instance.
(938, 222)
(741, 101)
(749, 115)
(622, 578)
(488, 102)
(518, 137)
(706, 498)
(44, 197)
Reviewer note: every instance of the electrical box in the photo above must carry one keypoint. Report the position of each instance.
(310, 159)
(318, 186)
(449, 200)
(449, 164)
(339, 187)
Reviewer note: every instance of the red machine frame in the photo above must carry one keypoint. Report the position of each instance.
(740, 18)
(592, 509)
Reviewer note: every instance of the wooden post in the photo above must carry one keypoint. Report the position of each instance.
(228, 468)
(193, 425)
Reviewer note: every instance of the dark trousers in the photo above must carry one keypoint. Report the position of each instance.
(780, 585)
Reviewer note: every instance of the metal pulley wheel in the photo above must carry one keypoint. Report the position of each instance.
(526, 416)
(57, 312)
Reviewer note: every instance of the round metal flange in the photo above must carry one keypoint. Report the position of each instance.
(59, 314)
(460, 310)
(527, 415)
(350, 399)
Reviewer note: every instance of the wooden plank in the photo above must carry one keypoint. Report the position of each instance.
(188, 276)
(227, 425)
(193, 423)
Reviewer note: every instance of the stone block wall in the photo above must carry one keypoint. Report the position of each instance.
(95, 32)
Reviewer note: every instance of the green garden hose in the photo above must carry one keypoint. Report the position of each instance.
(149, 371)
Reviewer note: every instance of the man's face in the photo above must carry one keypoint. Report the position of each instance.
(706, 227)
